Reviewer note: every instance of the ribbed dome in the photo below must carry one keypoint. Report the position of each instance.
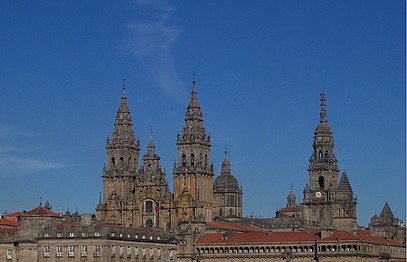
(226, 182)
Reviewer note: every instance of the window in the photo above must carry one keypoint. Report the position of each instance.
(59, 251)
(97, 234)
(84, 234)
(149, 206)
(320, 155)
(9, 254)
(59, 234)
(128, 250)
(321, 181)
(84, 251)
(149, 223)
(46, 235)
(46, 251)
(71, 251)
(192, 159)
(113, 162)
(97, 249)
(184, 160)
(71, 234)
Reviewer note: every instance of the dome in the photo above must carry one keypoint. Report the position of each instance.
(226, 182)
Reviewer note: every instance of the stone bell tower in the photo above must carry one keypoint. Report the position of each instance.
(327, 204)
(122, 166)
(193, 173)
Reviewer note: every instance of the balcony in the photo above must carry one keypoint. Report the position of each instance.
(71, 254)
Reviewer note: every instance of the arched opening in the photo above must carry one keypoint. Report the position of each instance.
(113, 162)
(121, 162)
(320, 155)
(184, 160)
(206, 160)
(149, 223)
(321, 182)
(192, 159)
(326, 154)
(230, 212)
(220, 212)
(129, 162)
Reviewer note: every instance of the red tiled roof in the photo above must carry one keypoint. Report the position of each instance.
(341, 235)
(256, 237)
(363, 234)
(8, 221)
(13, 214)
(287, 209)
(42, 211)
(236, 227)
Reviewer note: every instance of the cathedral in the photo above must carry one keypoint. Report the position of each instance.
(138, 218)
(138, 195)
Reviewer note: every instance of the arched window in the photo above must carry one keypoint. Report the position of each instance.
(149, 206)
(321, 182)
(206, 160)
(112, 160)
(121, 162)
(149, 223)
(230, 212)
(320, 155)
(326, 154)
(129, 162)
(192, 159)
(184, 160)
(220, 212)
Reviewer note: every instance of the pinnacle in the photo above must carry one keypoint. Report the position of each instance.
(386, 212)
(344, 185)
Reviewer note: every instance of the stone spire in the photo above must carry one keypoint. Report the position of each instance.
(386, 213)
(323, 158)
(344, 185)
(193, 117)
(151, 146)
(226, 164)
(123, 134)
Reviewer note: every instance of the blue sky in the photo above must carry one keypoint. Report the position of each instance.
(260, 68)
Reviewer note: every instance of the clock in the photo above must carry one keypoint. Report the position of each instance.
(318, 194)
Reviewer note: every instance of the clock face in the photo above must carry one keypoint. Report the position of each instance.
(318, 194)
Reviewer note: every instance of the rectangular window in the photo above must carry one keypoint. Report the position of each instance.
(71, 251)
(149, 206)
(46, 235)
(9, 254)
(84, 251)
(84, 234)
(96, 252)
(71, 234)
(46, 251)
(59, 234)
(97, 234)
(59, 251)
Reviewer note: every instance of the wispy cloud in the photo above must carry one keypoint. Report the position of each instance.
(22, 166)
(152, 36)
(15, 158)
(12, 131)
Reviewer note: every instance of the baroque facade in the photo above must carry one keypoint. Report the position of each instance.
(139, 219)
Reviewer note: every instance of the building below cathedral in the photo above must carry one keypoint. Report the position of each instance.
(138, 218)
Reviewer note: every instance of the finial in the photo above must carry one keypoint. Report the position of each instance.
(100, 197)
(151, 134)
(193, 84)
(322, 114)
(291, 187)
(124, 88)
(226, 152)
